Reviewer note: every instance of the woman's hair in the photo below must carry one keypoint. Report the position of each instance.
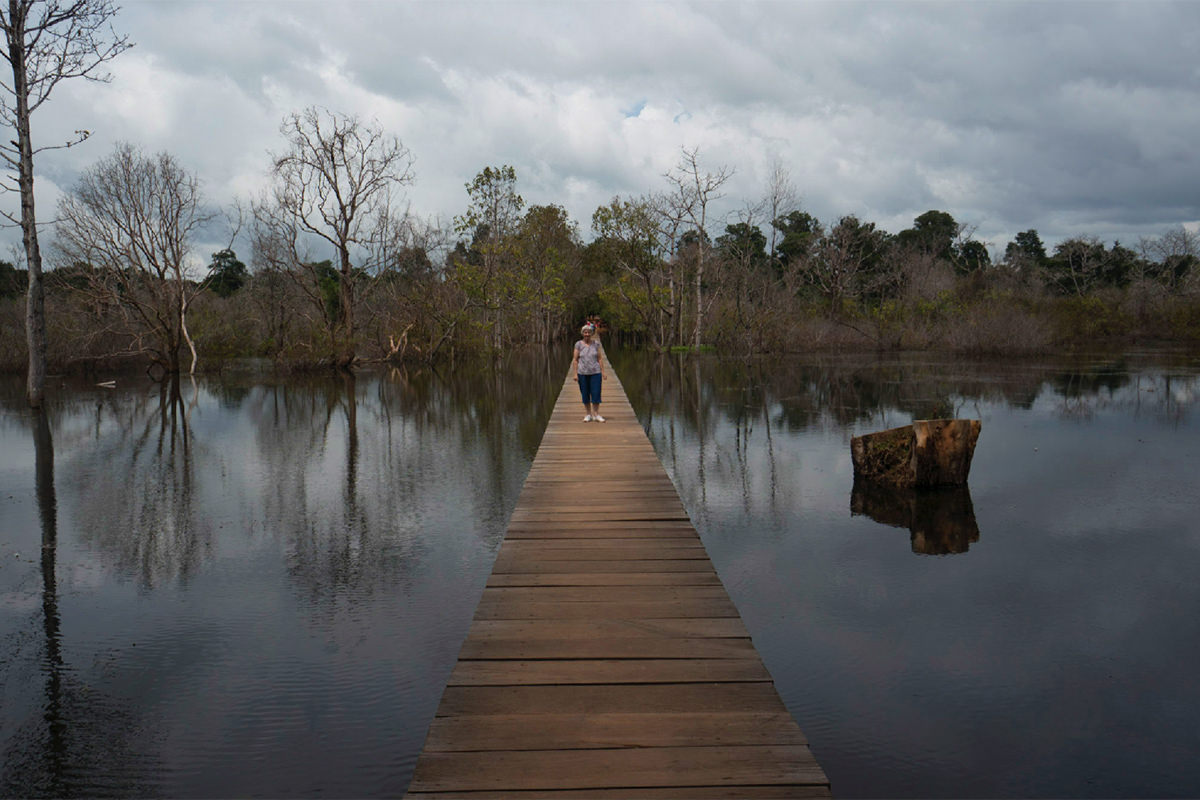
(588, 328)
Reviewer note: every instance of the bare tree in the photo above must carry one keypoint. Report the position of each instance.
(781, 200)
(670, 219)
(132, 219)
(695, 190)
(1172, 257)
(46, 41)
(847, 263)
(334, 186)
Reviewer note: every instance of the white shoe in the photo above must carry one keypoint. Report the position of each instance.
(598, 418)
(588, 418)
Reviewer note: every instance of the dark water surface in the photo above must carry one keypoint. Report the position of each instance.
(1035, 635)
(255, 588)
(258, 587)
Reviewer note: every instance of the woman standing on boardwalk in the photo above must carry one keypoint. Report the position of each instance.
(587, 364)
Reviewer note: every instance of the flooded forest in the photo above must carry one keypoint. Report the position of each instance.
(327, 267)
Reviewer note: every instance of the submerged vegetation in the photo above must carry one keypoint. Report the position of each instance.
(340, 272)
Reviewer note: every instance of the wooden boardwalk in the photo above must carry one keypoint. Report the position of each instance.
(605, 658)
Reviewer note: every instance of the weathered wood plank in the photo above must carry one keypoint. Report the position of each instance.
(601, 630)
(688, 609)
(634, 647)
(605, 535)
(628, 698)
(606, 594)
(542, 550)
(605, 579)
(607, 671)
(587, 731)
(631, 768)
(642, 793)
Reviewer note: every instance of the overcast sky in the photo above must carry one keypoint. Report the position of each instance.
(1068, 117)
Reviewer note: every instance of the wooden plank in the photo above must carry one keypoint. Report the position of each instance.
(688, 609)
(547, 566)
(609, 535)
(627, 767)
(601, 513)
(607, 549)
(627, 698)
(590, 527)
(643, 793)
(586, 731)
(541, 550)
(602, 630)
(634, 647)
(605, 579)
(606, 594)
(607, 671)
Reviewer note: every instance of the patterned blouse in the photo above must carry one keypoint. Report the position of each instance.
(589, 358)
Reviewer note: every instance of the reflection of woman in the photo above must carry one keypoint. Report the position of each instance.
(587, 364)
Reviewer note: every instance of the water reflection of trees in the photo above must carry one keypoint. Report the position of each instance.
(353, 467)
(337, 467)
(133, 484)
(841, 392)
(77, 729)
(1163, 396)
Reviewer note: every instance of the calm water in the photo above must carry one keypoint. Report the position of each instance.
(255, 588)
(1035, 635)
(258, 587)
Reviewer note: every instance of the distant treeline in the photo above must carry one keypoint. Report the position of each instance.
(661, 269)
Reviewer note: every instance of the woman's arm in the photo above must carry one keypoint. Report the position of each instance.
(574, 361)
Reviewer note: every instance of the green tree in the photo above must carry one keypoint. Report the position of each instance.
(1123, 265)
(226, 273)
(1025, 251)
(744, 244)
(972, 255)
(932, 233)
(1078, 266)
(798, 229)
(547, 251)
(492, 218)
(627, 242)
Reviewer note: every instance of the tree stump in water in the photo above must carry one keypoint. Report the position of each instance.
(929, 452)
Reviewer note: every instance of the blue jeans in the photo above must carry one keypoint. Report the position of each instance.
(589, 387)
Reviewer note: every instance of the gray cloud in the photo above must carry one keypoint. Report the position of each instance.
(1071, 117)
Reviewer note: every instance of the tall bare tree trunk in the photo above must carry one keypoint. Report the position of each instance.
(47, 42)
(35, 298)
(187, 337)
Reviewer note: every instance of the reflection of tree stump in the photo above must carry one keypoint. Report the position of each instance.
(931, 452)
(939, 521)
